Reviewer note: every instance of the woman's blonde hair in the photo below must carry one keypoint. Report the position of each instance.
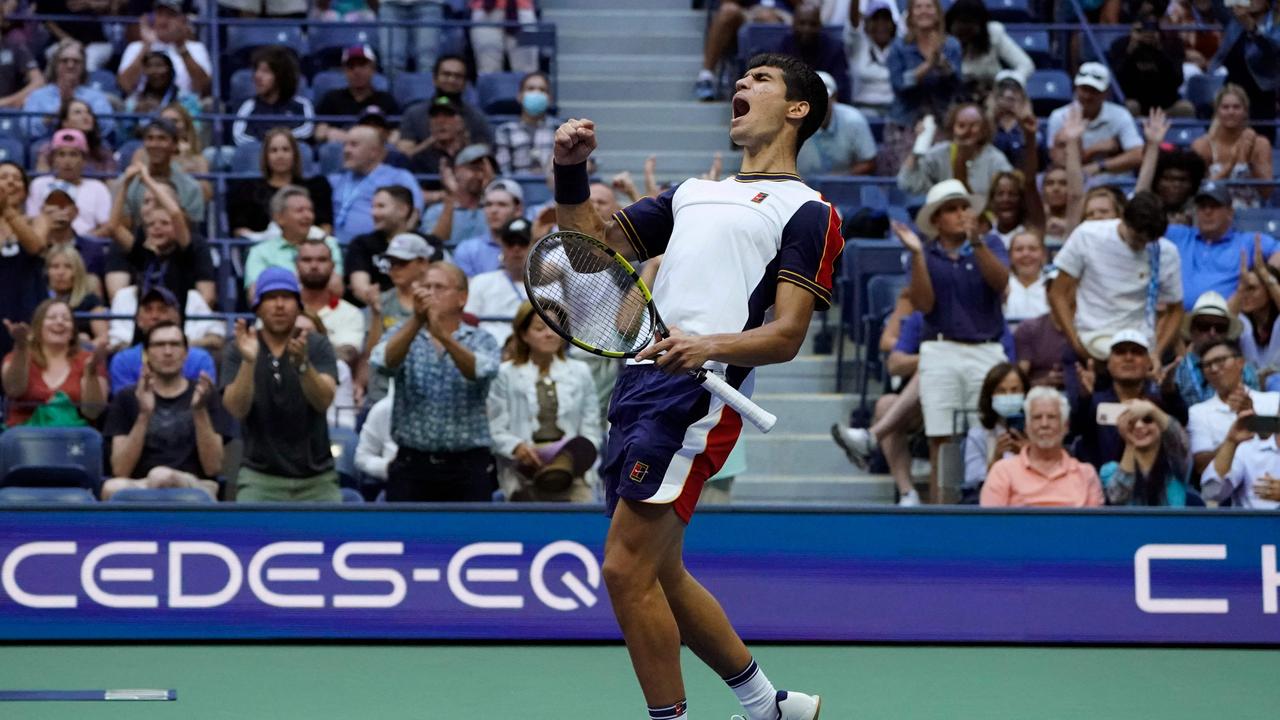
(37, 333)
(188, 130)
(1231, 89)
(910, 36)
(80, 286)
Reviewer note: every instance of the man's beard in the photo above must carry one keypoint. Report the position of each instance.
(314, 282)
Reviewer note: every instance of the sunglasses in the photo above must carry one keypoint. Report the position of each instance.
(1146, 420)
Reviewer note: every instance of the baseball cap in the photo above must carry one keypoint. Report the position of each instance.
(472, 153)
(273, 279)
(443, 104)
(359, 52)
(1094, 75)
(70, 138)
(161, 293)
(1012, 76)
(1215, 191)
(506, 184)
(164, 126)
(1129, 335)
(829, 81)
(517, 232)
(374, 117)
(408, 246)
(64, 187)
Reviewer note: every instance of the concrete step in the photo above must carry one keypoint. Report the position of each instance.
(574, 84)
(613, 19)
(685, 111)
(751, 487)
(805, 413)
(618, 41)
(682, 66)
(786, 453)
(672, 138)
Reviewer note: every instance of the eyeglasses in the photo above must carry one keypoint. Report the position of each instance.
(1217, 363)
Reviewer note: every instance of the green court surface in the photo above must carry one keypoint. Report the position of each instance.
(500, 682)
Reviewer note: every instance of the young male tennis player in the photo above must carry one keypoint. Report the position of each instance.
(732, 249)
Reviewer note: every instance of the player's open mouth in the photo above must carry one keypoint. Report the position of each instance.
(740, 106)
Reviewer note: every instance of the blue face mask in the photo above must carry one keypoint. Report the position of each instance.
(535, 102)
(1008, 405)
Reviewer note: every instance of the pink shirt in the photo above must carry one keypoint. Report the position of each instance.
(1013, 482)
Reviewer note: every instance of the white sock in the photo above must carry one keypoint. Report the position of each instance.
(706, 75)
(757, 695)
(679, 711)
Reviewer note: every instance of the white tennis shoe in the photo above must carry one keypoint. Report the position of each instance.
(794, 706)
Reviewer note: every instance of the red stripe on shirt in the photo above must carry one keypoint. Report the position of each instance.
(720, 441)
(832, 246)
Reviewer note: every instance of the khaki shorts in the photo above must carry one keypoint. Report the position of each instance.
(254, 486)
(951, 376)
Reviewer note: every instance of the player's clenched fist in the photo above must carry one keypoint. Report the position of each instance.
(575, 140)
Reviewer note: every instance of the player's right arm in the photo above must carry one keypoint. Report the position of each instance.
(574, 143)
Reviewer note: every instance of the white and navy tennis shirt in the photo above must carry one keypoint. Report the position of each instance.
(727, 245)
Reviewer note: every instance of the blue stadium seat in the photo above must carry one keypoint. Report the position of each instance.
(51, 457)
(1106, 37)
(327, 80)
(535, 190)
(1048, 90)
(863, 258)
(498, 92)
(342, 443)
(873, 196)
(241, 89)
(242, 40)
(1201, 90)
(1183, 135)
(124, 154)
(162, 495)
(45, 495)
(1265, 220)
(104, 81)
(326, 41)
(11, 124)
(1035, 43)
(351, 495)
(882, 294)
(411, 87)
(330, 157)
(1010, 11)
(247, 158)
(754, 38)
(310, 166)
(13, 150)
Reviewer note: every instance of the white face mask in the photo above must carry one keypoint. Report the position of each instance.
(1007, 405)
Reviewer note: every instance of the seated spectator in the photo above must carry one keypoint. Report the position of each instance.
(360, 64)
(279, 386)
(1026, 297)
(393, 214)
(442, 381)
(867, 39)
(167, 430)
(376, 449)
(158, 90)
(1245, 469)
(1043, 351)
(202, 335)
(1199, 45)
(499, 293)
(987, 48)
(160, 140)
(1056, 190)
(818, 50)
(248, 207)
(1177, 177)
(75, 114)
(1148, 66)
(158, 305)
(968, 156)
(523, 147)
(1153, 470)
(363, 172)
(275, 83)
(1120, 274)
(924, 71)
(1013, 207)
(1211, 251)
(343, 322)
(1250, 53)
(293, 219)
(190, 157)
(459, 215)
(91, 197)
(958, 281)
(843, 145)
(90, 34)
(165, 33)
(540, 404)
(1112, 147)
(1258, 299)
(1208, 422)
(342, 409)
(407, 258)
(69, 78)
(1009, 108)
(490, 43)
(1043, 474)
(722, 35)
(69, 283)
(56, 224)
(166, 255)
(19, 71)
(1001, 429)
(1210, 319)
(449, 77)
(22, 285)
(437, 153)
(47, 361)
(503, 202)
(1235, 151)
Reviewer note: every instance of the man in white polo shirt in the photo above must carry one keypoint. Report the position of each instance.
(1209, 422)
(1111, 146)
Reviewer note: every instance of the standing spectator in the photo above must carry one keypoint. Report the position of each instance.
(1111, 145)
(22, 284)
(1001, 429)
(89, 33)
(1043, 474)
(542, 404)
(160, 139)
(867, 40)
(1244, 471)
(449, 76)
(503, 202)
(1148, 67)
(376, 449)
(67, 69)
(1209, 422)
(166, 430)
(1258, 298)
(158, 305)
(523, 147)
(499, 293)
(1250, 51)
(279, 387)
(415, 35)
(1153, 470)
(294, 218)
(958, 282)
(249, 204)
(343, 323)
(1013, 206)
(1234, 150)
(75, 114)
(968, 157)
(817, 49)
(363, 172)
(1008, 109)
(1043, 350)
(433, 156)
(407, 259)
(442, 381)
(987, 47)
(490, 43)
(157, 90)
(1057, 190)
(69, 282)
(1026, 298)
(46, 360)
(275, 85)
(190, 157)
(843, 145)
(360, 64)
(19, 72)
(1211, 251)
(166, 32)
(92, 199)
(393, 214)
(1120, 274)
(722, 35)
(459, 215)
(924, 70)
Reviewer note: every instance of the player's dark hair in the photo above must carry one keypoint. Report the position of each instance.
(802, 84)
(1144, 214)
(146, 340)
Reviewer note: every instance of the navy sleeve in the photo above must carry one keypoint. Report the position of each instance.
(910, 334)
(647, 223)
(811, 247)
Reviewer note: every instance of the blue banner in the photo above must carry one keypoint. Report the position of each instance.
(391, 573)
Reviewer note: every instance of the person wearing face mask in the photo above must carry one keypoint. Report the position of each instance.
(1153, 470)
(1001, 431)
(968, 156)
(1043, 474)
(523, 147)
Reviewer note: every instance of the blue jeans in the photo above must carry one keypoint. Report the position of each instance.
(423, 38)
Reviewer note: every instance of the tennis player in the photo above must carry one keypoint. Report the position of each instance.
(732, 250)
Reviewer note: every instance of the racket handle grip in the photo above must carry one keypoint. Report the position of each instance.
(745, 407)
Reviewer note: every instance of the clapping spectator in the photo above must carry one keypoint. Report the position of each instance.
(275, 84)
(1212, 249)
(968, 156)
(1001, 429)
(69, 78)
(499, 293)
(1209, 422)
(1026, 297)
(19, 71)
(157, 305)
(69, 282)
(1043, 474)
(249, 204)
(165, 33)
(924, 70)
(987, 47)
(158, 89)
(342, 409)
(1111, 145)
(1246, 470)
(1009, 109)
(867, 40)
(91, 197)
(360, 64)
(407, 258)
(47, 360)
(1153, 470)
(1250, 51)
(75, 114)
(448, 136)
(160, 140)
(540, 405)
(1234, 150)
(1258, 299)
(449, 76)
(503, 202)
(1148, 66)
(491, 43)
(22, 285)
(363, 172)
(523, 147)
(843, 145)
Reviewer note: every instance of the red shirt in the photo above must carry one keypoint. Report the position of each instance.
(38, 392)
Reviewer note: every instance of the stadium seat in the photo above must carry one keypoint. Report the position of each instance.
(51, 457)
(498, 92)
(1183, 135)
(873, 196)
(1035, 43)
(241, 89)
(1010, 11)
(535, 190)
(327, 80)
(1201, 90)
(862, 259)
(1048, 90)
(242, 40)
(43, 495)
(411, 87)
(124, 154)
(326, 41)
(11, 124)
(104, 81)
(882, 294)
(1264, 220)
(342, 443)
(330, 158)
(162, 495)
(310, 166)
(247, 158)
(13, 150)
(754, 38)
(351, 495)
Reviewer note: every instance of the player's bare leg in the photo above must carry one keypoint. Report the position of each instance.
(704, 627)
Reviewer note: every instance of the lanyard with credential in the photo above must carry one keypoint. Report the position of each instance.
(349, 198)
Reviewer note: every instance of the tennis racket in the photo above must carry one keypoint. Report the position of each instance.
(591, 296)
